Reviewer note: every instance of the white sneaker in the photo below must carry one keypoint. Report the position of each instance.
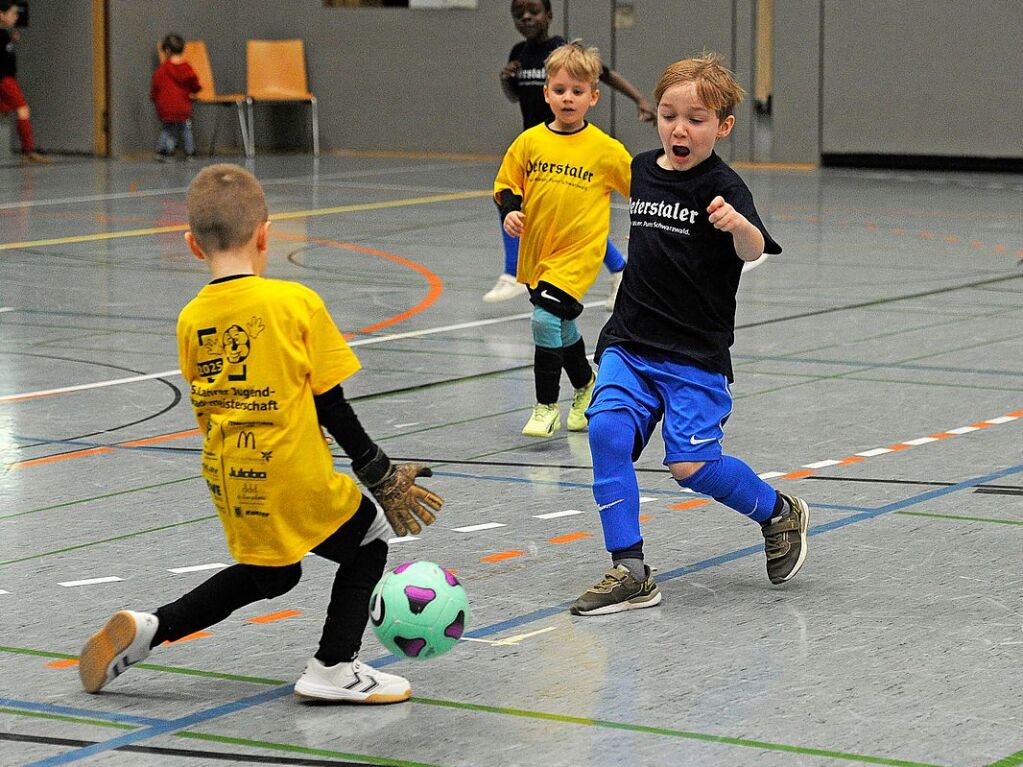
(122, 642)
(545, 420)
(354, 682)
(506, 287)
(616, 282)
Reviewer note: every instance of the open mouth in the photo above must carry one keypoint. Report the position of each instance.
(680, 151)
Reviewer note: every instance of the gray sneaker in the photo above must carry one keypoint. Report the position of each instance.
(616, 592)
(785, 539)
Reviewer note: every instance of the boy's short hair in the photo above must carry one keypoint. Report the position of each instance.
(225, 205)
(715, 83)
(580, 62)
(6, 5)
(173, 44)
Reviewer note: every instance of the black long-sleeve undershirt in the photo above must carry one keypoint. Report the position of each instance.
(338, 418)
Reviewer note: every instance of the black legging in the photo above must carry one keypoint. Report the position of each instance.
(359, 569)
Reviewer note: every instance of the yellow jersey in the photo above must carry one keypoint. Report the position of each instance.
(565, 181)
(254, 352)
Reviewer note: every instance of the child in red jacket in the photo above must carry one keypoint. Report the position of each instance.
(173, 84)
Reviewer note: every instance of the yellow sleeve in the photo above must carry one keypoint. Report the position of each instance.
(619, 176)
(331, 360)
(512, 174)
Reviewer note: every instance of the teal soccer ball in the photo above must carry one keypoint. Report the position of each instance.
(419, 610)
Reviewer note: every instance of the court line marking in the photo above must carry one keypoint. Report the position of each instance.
(285, 216)
(197, 568)
(360, 342)
(91, 581)
(171, 725)
(477, 528)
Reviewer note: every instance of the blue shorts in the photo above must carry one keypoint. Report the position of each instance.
(694, 403)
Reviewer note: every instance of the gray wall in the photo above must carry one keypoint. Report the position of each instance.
(55, 72)
(923, 77)
(869, 76)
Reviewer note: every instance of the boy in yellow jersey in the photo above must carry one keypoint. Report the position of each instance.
(264, 363)
(554, 192)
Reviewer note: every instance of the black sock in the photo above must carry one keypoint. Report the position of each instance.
(547, 374)
(576, 365)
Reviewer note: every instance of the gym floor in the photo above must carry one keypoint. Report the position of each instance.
(879, 375)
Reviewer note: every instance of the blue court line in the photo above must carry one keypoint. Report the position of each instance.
(163, 728)
(546, 612)
(48, 708)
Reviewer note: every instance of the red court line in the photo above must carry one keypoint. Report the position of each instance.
(191, 637)
(690, 504)
(502, 555)
(271, 617)
(569, 538)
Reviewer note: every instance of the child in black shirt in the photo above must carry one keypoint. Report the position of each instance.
(664, 351)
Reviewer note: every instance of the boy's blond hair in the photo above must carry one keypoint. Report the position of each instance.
(225, 205)
(580, 62)
(715, 83)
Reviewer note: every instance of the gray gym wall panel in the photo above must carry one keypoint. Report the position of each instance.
(55, 73)
(135, 29)
(795, 98)
(925, 77)
(661, 32)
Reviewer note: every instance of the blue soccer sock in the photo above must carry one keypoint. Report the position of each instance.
(511, 253)
(612, 436)
(613, 258)
(731, 482)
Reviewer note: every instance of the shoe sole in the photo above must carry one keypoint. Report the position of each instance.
(805, 509)
(335, 695)
(98, 663)
(543, 434)
(620, 607)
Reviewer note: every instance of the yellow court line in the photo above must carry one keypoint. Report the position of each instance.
(275, 217)
(800, 167)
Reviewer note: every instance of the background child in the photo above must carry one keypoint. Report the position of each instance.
(11, 97)
(174, 82)
(264, 362)
(665, 349)
(554, 191)
(522, 80)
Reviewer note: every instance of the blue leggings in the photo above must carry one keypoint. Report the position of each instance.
(613, 259)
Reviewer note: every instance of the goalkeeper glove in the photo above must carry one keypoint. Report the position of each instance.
(394, 486)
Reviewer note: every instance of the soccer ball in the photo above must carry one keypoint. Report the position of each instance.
(419, 610)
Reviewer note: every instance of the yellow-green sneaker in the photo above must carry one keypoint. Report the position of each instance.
(581, 401)
(545, 420)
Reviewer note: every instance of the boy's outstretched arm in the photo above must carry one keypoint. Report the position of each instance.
(644, 110)
(393, 485)
(748, 240)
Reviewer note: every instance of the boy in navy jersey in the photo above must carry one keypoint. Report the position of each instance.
(522, 81)
(664, 351)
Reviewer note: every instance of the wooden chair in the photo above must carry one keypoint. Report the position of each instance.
(195, 53)
(276, 74)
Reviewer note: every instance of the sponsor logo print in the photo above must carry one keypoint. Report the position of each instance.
(607, 506)
(694, 441)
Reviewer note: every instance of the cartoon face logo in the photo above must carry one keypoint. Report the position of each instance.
(236, 344)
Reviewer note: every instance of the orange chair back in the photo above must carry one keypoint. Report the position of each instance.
(276, 70)
(195, 53)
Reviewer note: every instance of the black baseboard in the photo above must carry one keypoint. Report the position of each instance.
(923, 162)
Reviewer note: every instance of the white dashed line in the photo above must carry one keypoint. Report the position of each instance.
(771, 474)
(820, 464)
(196, 568)
(2, 310)
(91, 581)
(405, 425)
(920, 441)
(4, 592)
(875, 451)
(556, 514)
(964, 430)
(1002, 419)
(647, 499)
(474, 528)
(403, 539)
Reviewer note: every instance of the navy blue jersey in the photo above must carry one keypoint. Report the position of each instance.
(532, 76)
(677, 297)
(8, 60)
